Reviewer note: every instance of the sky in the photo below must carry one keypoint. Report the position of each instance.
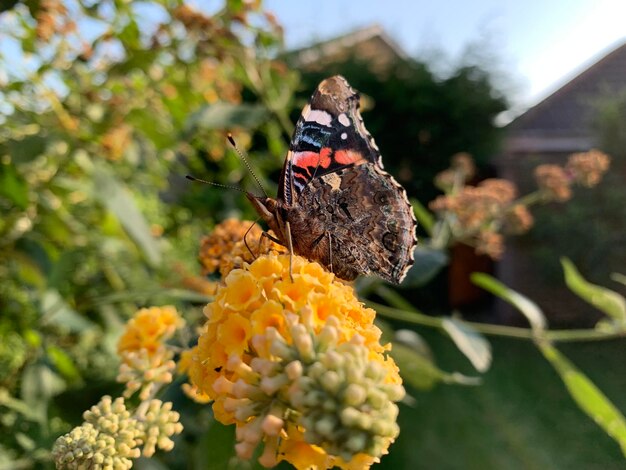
(534, 45)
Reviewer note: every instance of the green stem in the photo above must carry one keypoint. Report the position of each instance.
(530, 198)
(418, 318)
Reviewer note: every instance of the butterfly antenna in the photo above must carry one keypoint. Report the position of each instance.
(246, 162)
(236, 188)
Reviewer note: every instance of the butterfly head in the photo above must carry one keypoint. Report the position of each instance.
(271, 211)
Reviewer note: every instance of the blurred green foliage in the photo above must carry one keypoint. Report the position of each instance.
(104, 106)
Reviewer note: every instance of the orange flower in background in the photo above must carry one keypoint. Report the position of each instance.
(464, 163)
(220, 243)
(490, 243)
(462, 169)
(116, 141)
(270, 346)
(225, 249)
(475, 206)
(588, 167)
(499, 189)
(554, 182)
(517, 220)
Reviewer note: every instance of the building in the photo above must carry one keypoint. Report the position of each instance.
(370, 44)
(563, 123)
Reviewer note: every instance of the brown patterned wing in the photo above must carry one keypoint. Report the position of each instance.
(358, 219)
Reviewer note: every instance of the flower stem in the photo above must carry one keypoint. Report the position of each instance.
(418, 318)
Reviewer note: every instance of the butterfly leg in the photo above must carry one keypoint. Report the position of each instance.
(245, 241)
(290, 246)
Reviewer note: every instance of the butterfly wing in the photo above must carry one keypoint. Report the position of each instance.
(357, 221)
(343, 209)
(329, 136)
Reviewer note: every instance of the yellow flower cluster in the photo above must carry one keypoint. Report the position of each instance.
(149, 329)
(147, 361)
(111, 435)
(272, 348)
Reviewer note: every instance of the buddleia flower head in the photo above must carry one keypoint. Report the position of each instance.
(297, 366)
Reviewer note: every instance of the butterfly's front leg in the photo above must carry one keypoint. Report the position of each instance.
(290, 246)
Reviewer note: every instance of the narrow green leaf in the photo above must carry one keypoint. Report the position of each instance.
(39, 384)
(18, 406)
(414, 341)
(63, 363)
(56, 311)
(423, 215)
(116, 197)
(587, 396)
(531, 311)
(619, 277)
(470, 342)
(605, 300)
(422, 373)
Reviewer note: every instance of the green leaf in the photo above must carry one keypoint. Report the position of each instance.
(63, 363)
(428, 263)
(418, 371)
(18, 406)
(116, 197)
(39, 384)
(531, 311)
(27, 148)
(225, 116)
(423, 215)
(13, 187)
(422, 373)
(618, 277)
(56, 311)
(414, 341)
(605, 300)
(470, 342)
(587, 396)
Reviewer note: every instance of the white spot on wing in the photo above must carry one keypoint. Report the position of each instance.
(343, 119)
(344, 136)
(321, 117)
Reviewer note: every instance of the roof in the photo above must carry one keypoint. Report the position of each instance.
(371, 43)
(563, 120)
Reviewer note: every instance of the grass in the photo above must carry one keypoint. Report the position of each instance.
(521, 417)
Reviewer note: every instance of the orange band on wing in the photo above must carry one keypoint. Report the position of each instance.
(312, 159)
(346, 157)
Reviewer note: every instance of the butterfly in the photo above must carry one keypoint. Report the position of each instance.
(336, 204)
